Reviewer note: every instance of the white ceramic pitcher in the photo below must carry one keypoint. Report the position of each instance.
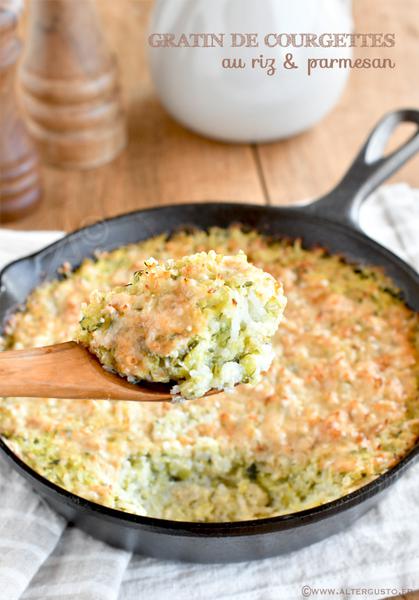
(243, 105)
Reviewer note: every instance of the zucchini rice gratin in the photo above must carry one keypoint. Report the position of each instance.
(205, 321)
(338, 406)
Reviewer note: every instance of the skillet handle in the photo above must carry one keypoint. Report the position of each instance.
(369, 169)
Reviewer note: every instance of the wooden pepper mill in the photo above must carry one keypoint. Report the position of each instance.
(69, 86)
(20, 188)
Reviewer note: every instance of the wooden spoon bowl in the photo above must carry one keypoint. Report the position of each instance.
(69, 371)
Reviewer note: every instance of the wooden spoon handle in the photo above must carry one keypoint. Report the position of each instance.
(65, 371)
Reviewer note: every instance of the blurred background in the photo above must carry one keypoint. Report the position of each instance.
(165, 163)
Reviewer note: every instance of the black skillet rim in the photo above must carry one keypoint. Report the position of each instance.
(222, 528)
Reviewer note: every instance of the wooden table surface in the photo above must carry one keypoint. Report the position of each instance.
(165, 163)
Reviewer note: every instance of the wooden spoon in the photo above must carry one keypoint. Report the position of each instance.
(69, 371)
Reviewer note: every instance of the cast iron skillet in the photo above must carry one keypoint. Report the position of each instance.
(330, 222)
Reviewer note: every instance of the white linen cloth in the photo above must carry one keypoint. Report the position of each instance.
(41, 558)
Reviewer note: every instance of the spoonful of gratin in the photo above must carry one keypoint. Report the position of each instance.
(180, 329)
